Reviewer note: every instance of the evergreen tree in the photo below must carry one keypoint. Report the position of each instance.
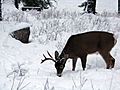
(44, 4)
(89, 5)
(91, 8)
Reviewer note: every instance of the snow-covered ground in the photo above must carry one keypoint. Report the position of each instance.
(20, 67)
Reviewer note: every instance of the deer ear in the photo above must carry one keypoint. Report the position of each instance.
(56, 54)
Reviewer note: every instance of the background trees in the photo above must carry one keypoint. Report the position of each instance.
(43, 4)
(89, 6)
(37, 3)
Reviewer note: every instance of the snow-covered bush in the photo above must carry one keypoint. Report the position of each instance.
(49, 25)
(53, 23)
(17, 77)
(18, 16)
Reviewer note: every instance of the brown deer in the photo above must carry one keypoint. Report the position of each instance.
(80, 45)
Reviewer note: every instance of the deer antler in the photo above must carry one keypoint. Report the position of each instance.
(51, 58)
(49, 54)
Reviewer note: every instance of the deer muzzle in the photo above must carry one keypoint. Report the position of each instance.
(59, 75)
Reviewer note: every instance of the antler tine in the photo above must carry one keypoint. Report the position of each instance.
(44, 56)
(42, 61)
(49, 54)
(47, 59)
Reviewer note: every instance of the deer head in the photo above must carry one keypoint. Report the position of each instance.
(59, 62)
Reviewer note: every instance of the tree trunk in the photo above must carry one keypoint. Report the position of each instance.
(91, 8)
(118, 6)
(0, 10)
(16, 4)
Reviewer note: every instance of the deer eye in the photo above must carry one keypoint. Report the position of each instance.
(61, 66)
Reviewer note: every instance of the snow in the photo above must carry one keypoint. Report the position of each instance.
(20, 67)
(109, 5)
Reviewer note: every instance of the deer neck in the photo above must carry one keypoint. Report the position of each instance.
(63, 55)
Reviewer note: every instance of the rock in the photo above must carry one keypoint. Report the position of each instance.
(22, 34)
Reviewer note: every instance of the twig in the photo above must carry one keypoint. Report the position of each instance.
(25, 86)
(74, 82)
(46, 86)
(13, 82)
(20, 82)
(92, 85)
(80, 81)
(111, 82)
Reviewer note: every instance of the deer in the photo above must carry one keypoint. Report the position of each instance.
(80, 45)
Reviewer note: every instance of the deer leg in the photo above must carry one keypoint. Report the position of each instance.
(112, 61)
(106, 57)
(83, 61)
(74, 63)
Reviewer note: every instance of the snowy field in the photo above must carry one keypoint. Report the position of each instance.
(20, 67)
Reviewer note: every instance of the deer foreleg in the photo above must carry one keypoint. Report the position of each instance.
(74, 63)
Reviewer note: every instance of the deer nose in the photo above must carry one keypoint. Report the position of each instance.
(59, 75)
